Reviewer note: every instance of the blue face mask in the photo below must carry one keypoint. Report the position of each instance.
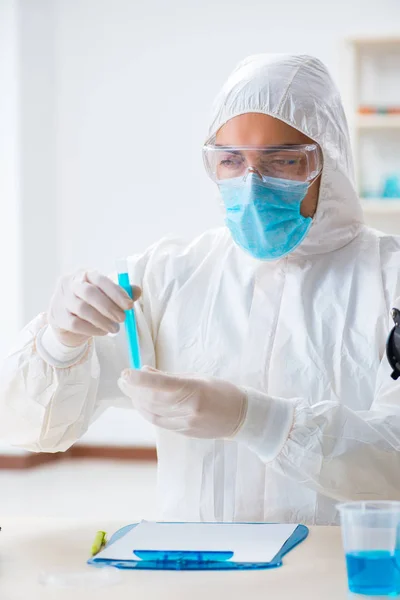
(263, 215)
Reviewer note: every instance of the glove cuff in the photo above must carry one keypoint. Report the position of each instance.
(242, 416)
(55, 353)
(267, 424)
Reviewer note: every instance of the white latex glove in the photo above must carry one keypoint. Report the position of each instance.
(87, 304)
(194, 406)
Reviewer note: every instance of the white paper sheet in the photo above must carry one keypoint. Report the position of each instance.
(258, 542)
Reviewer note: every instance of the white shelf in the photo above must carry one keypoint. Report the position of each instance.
(365, 54)
(381, 206)
(378, 121)
(389, 40)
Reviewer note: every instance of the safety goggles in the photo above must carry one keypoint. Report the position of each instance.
(298, 162)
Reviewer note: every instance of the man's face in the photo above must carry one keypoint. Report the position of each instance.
(253, 129)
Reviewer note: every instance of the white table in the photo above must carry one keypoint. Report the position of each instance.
(313, 570)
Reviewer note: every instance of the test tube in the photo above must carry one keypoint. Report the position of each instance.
(130, 319)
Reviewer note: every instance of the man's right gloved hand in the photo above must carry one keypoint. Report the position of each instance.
(87, 304)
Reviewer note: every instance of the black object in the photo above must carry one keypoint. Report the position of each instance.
(393, 345)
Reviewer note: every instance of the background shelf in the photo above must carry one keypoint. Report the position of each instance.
(378, 121)
(389, 40)
(374, 75)
(381, 206)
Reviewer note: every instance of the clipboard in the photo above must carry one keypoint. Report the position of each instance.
(194, 561)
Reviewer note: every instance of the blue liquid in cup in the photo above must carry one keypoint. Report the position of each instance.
(374, 572)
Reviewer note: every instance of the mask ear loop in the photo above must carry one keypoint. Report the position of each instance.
(310, 183)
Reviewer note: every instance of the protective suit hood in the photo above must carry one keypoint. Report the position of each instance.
(298, 90)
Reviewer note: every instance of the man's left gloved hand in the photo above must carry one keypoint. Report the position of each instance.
(192, 405)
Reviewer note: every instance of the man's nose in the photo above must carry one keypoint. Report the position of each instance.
(252, 170)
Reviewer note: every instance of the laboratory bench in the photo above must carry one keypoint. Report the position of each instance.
(28, 547)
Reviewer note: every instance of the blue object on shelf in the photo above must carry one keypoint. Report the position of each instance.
(391, 187)
(368, 192)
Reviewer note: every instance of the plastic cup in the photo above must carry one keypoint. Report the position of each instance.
(371, 540)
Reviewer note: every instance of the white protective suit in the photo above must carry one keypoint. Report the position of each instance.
(305, 334)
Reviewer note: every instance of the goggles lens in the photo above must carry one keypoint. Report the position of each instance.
(297, 163)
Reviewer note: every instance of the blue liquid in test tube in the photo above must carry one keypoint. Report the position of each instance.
(130, 319)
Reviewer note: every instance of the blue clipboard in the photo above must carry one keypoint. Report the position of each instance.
(194, 561)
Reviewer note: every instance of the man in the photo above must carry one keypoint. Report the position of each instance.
(272, 397)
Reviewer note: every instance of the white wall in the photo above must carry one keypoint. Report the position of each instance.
(10, 234)
(10, 231)
(28, 224)
(38, 160)
(113, 156)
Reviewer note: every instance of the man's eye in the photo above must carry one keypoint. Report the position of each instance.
(229, 163)
(284, 162)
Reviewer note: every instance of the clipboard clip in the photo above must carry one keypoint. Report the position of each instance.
(183, 557)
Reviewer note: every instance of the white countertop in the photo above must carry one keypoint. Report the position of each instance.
(313, 570)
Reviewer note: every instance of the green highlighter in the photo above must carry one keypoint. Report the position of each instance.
(99, 542)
